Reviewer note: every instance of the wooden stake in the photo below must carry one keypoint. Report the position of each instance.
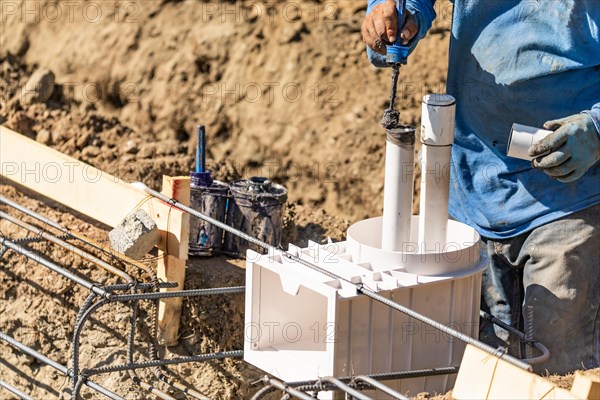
(586, 387)
(171, 268)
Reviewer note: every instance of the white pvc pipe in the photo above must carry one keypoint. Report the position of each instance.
(437, 136)
(398, 195)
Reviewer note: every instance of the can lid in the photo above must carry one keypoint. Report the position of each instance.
(439, 100)
(258, 187)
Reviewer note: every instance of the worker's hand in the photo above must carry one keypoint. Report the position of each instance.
(380, 27)
(574, 147)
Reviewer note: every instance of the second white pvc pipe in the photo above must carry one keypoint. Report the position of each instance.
(437, 137)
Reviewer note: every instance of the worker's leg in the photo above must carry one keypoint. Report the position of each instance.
(561, 278)
(552, 272)
(502, 293)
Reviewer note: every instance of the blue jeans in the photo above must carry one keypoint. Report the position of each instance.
(547, 282)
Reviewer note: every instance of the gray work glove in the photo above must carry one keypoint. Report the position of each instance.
(568, 152)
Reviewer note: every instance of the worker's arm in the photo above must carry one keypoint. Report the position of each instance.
(572, 149)
(381, 25)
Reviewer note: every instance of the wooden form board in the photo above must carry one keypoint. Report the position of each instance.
(172, 269)
(484, 376)
(86, 189)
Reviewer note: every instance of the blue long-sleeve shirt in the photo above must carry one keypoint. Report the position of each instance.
(515, 61)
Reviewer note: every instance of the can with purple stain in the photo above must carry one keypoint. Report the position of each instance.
(210, 198)
(256, 207)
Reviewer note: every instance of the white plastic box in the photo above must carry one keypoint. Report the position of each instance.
(301, 324)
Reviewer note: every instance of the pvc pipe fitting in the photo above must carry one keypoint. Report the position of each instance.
(521, 138)
(437, 136)
(437, 120)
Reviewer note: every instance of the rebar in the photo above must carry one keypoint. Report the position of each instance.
(380, 386)
(75, 235)
(15, 391)
(287, 389)
(3, 250)
(523, 337)
(179, 293)
(153, 355)
(528, 330)
(59, 367)
(83, 315)
(417, 373)
(37, 239)
(32, 255)
(164, 362)
(130, 352)
(347, 389)
(263, 392)
(70, 247)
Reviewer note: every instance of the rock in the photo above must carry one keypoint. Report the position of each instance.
(44, 137)
(91, 151)
(39, 87)
(293, 32)
(167, 147)
(135, 236)
(56, 136)
(83, 140)
(130, 147)
(146, 151)
(21, 123)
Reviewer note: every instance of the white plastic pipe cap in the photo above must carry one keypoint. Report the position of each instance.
(521, 138)
(437, 119)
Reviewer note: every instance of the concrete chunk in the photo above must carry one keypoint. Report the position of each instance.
(39, 87)
(135, 236)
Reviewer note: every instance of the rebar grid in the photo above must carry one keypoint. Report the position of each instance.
(105, 294)
(101, 295)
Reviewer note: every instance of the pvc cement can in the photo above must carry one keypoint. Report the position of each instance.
(256, 208)
(211, 200)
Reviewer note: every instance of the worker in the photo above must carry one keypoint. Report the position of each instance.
(538, 64)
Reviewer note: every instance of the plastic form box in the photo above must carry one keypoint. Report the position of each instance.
(301, 324)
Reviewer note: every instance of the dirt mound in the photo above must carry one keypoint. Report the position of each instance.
(284, 88)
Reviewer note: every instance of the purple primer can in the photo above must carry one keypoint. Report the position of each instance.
(210, 198)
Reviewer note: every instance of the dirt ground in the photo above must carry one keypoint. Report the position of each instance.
(285, 91)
